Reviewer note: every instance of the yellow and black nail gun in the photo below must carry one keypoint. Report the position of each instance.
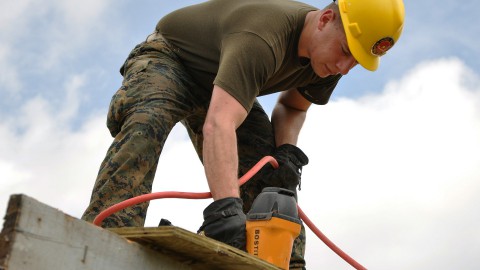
(272, 226)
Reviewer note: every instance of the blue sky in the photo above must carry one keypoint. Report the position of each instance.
(394, 172)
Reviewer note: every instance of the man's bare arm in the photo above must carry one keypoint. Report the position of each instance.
(288, 116)
(220, 156)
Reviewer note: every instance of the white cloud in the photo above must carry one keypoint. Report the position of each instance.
(38, 37)
(394, 174)
(72, 28)
(12, 13)
(9, 77)
(392, 180)
(44, 157)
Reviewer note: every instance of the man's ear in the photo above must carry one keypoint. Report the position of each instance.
(326, 16)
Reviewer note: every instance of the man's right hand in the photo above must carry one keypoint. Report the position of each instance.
(224, 221)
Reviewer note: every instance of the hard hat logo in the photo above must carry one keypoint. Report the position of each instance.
(382, 46)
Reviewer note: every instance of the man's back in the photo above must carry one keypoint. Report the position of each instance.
(242, 45)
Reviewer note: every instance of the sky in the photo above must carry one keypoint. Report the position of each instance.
(394, 172)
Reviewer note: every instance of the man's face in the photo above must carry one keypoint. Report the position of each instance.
(329, 52)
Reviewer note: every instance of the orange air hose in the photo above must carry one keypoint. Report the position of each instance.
(206, 195)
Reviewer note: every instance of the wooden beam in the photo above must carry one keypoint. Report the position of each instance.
(36, 236)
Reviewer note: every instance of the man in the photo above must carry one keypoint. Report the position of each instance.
(204, 66)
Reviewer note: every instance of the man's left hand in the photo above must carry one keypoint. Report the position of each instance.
(291, 161)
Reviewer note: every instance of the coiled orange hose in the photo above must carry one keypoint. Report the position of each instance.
(206, 195)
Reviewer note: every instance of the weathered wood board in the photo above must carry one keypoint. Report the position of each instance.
(36, 236)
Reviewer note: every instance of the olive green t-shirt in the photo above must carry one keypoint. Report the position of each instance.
(247, 47)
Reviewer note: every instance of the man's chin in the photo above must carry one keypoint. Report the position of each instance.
(322, 72)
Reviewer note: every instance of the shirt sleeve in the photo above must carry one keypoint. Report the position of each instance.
(246, 63)
(319, 93)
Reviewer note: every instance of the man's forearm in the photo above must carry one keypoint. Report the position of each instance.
(288, 116)
(220, 156)
(287, 123)
(220, 160)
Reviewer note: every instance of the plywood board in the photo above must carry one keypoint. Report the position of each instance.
(192, 249)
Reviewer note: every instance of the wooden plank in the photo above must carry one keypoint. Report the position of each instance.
(36, 236)
(192, 249)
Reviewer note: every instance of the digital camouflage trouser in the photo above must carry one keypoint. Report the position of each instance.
(156, 93)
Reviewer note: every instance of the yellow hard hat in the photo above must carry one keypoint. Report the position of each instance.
(372, 27)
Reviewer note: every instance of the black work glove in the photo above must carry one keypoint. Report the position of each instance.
(290, 160)
(224, 221)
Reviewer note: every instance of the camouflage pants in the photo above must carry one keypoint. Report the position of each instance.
(156, 93)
